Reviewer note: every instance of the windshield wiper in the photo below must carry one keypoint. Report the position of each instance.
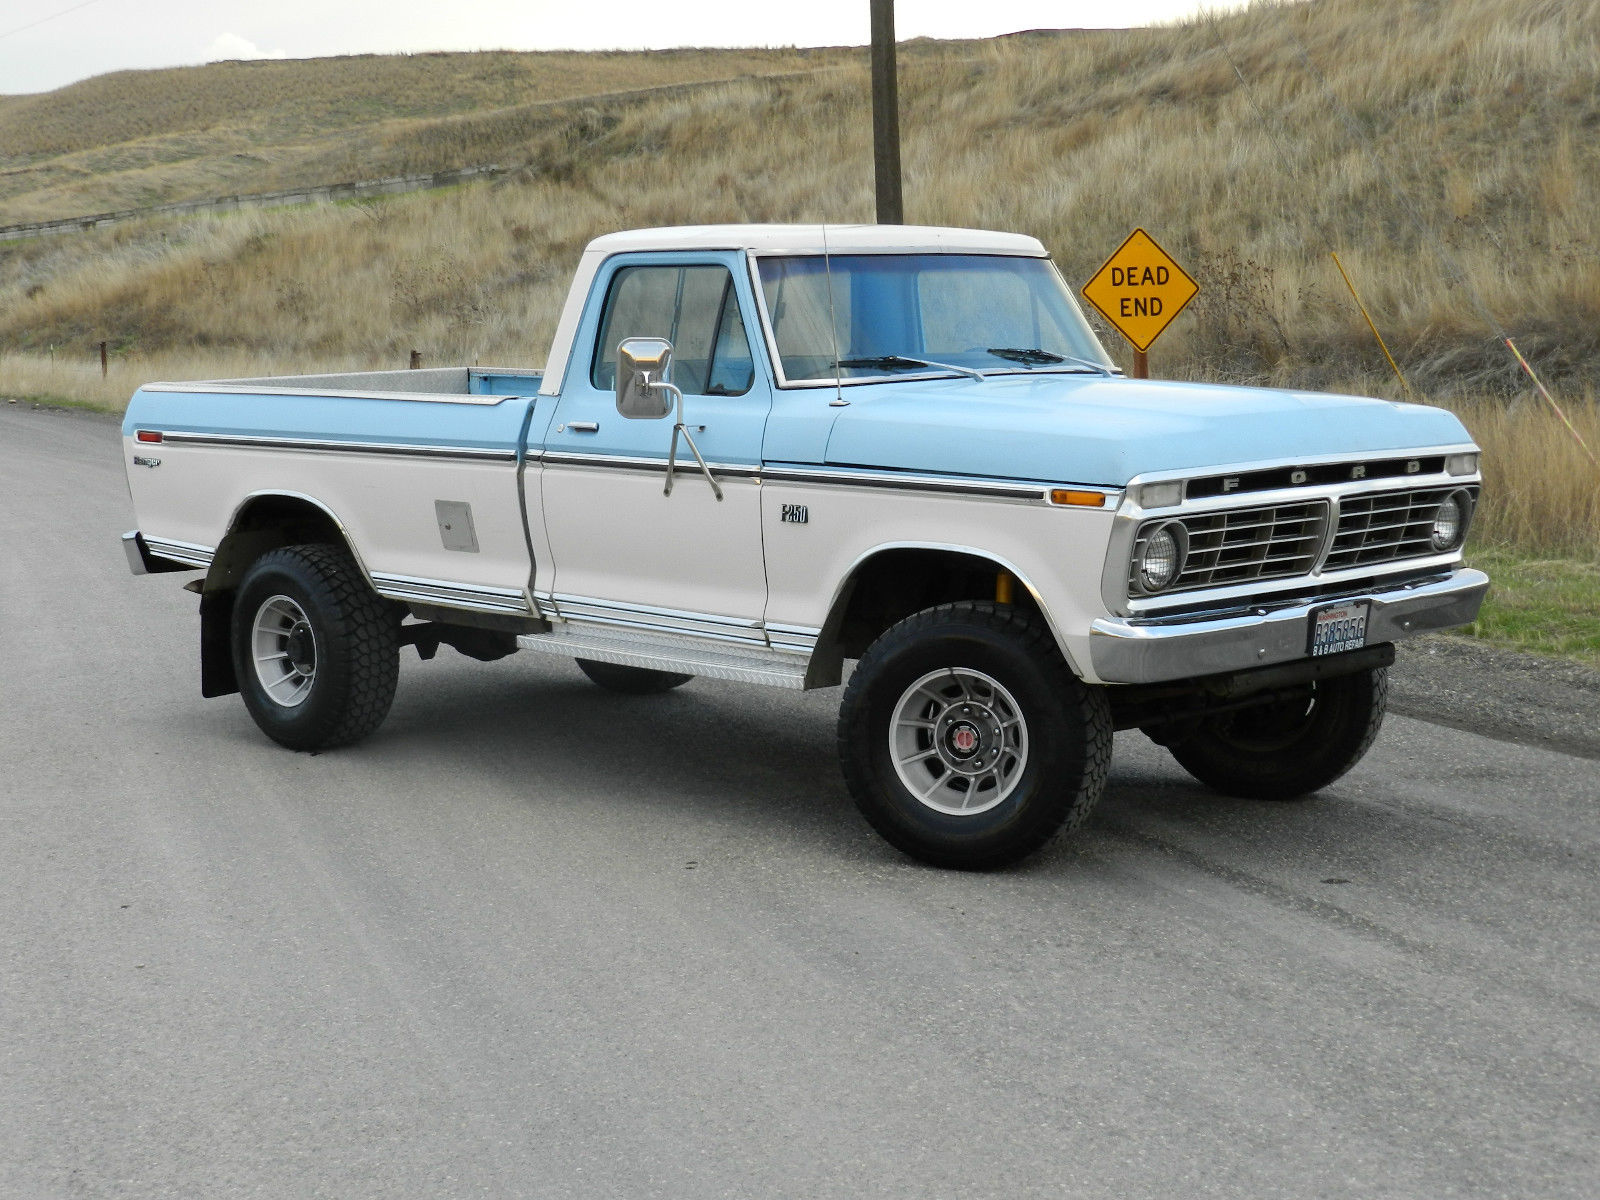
(889, 362)
(1036, 357)
(1026, 356)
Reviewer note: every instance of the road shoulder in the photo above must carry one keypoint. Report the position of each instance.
(1499, 693)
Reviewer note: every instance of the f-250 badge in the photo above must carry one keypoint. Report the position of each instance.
(795, 514)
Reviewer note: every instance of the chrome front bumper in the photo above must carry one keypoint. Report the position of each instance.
(1154, 649)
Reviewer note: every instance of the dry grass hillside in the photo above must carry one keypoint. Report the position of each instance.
(138, 138)
(1449, 150)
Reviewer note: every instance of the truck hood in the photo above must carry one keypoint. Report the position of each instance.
(1105, 431)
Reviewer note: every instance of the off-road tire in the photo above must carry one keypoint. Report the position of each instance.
(1067, 726)
(1292, 747)
(356, 647)
(631, 681)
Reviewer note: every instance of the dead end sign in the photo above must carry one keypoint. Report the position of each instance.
(1140, 289)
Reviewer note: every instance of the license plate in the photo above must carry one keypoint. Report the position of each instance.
(1336, 628)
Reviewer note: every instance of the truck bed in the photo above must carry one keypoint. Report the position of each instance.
(432, 383)
(427, 485)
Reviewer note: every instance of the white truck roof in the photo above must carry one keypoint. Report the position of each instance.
(815, 239)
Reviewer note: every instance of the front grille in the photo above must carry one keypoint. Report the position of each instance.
(1274, 541)
(1385, 526)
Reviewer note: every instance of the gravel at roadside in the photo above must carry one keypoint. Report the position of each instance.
(1499, 693)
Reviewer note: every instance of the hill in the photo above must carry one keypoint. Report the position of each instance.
(137, 138)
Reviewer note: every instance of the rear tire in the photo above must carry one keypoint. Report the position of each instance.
(967, 742)
(1291, 747)
(316, 651)
(631, 681)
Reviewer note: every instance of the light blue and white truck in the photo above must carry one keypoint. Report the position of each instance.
(758, 453)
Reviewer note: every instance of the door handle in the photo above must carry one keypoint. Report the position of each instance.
(581, 427)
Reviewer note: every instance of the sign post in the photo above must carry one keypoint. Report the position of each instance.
(1139, 289)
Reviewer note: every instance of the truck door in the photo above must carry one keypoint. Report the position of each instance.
(622, 551)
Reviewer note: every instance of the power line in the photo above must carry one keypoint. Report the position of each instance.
(51, 17)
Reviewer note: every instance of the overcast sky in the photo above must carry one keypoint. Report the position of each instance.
(46, 44)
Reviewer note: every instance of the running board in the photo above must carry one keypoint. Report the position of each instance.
(671, 652)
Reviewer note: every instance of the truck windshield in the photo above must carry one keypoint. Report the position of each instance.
(877, 316)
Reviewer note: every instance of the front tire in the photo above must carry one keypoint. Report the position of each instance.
(967, 742)
(315, 650)
(1292, 746)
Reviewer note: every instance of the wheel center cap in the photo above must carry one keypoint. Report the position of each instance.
(301, 648)
(964, 739)
(969, 739)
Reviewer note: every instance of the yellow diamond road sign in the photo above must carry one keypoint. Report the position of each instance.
(1139, 289)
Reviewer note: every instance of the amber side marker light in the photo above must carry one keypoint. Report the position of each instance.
(1077, 499)
(148, 435)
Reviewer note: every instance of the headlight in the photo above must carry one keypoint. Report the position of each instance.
(1161, 558)
(1450, 522)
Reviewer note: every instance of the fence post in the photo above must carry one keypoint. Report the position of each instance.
(102, 360)
(416, 360)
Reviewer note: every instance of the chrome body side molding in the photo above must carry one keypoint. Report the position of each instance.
(995, 489)
(631, 462)
(666, 620)
(456, 595)
(142, 560)
(188, 554)
(845, 477)
(341, 446)
(799, 638)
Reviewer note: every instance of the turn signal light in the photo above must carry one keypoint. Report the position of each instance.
(1077, 499)
(148, 435)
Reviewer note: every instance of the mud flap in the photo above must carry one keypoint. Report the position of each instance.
(217, 676)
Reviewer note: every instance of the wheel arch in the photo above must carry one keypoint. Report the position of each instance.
(265, 521)
(262, 521)
(889, 582)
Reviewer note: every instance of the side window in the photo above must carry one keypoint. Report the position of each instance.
(731, 371)
(696, 309)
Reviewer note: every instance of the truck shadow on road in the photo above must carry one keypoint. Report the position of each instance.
(745, 762)
(763, 760)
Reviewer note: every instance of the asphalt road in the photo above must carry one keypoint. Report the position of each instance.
(536, 940)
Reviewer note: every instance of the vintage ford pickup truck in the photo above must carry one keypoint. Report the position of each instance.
(757, 452)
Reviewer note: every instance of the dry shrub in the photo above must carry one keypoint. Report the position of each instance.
(1541, 490)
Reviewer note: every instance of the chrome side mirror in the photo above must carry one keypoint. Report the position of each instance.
(643, 365)
(645, 393)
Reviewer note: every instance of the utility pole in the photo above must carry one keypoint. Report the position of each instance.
(885, 116)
